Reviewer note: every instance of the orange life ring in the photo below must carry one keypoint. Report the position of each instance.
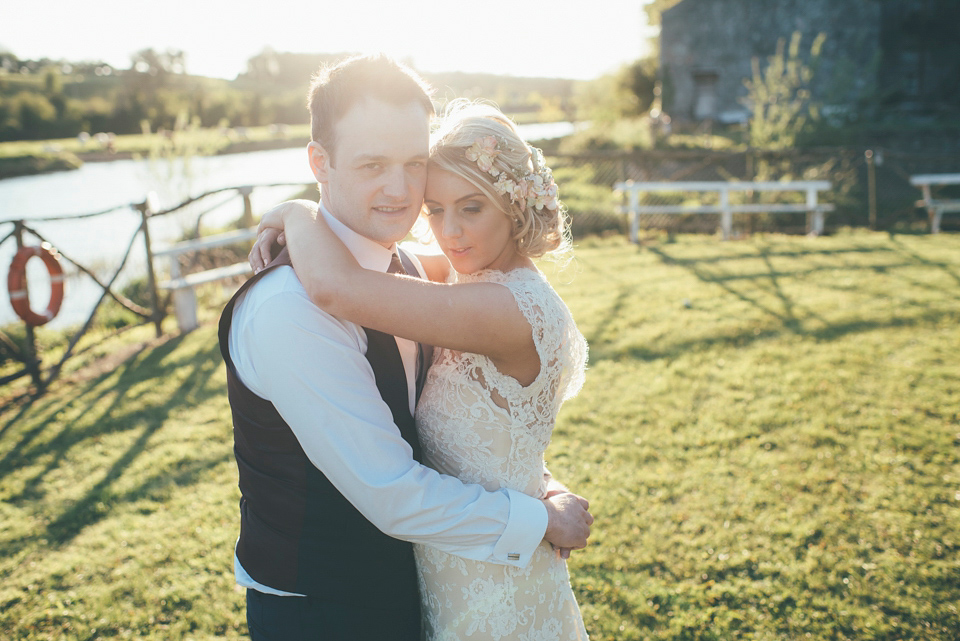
(17, 284)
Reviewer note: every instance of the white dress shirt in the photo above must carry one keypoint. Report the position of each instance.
(312, 367)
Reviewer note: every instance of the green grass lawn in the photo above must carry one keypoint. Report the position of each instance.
(769, 434)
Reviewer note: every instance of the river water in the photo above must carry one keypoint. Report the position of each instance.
(98, 243)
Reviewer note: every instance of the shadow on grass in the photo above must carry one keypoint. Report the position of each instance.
(127, 409)
(95, 506)
(612, 313)
(780, 253)
(24, 406)
(923, 260)
(698, 267)
(143, 366)
(790, 315)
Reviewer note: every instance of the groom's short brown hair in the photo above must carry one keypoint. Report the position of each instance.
(336, 88)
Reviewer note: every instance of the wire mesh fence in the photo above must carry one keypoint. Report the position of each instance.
(868, 189)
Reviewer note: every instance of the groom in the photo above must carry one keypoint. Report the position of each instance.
(325, 442)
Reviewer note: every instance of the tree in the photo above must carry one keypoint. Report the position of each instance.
(779, 95)
(52, 82)
(36, 114)
(640, 79)
(159, 64)
(655, 8)
(627, 93)
(53, 90)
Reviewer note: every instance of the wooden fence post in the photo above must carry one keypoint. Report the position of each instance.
(726, 214)
(146, 208)
(871, 189)
(30, 359)
(246, 220)
(634, 212)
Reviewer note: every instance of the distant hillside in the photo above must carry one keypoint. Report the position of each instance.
(53, 99)
(515, 95)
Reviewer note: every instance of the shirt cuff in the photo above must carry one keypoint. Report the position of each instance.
(526, 526)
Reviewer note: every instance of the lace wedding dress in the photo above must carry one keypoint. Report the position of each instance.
(484, 427)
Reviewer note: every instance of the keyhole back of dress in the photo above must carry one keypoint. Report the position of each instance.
(495, 396)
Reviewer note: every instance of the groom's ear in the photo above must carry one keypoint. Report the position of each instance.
(320, 161)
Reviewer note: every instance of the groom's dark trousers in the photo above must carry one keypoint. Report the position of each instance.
(282, 618)
(299, 534)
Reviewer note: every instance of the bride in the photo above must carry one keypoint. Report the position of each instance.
(508, 354)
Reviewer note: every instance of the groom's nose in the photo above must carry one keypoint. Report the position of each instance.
(395, 183)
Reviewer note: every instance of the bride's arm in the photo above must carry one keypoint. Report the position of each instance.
(270, 231)
(436, 266)
(482, 318)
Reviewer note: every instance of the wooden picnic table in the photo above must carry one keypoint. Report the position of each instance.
(936, 207)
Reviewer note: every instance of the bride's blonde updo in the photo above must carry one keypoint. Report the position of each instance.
(477, 142)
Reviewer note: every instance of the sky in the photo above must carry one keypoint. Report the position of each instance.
(552, 38)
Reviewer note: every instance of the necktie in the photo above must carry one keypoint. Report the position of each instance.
(396, 267)
(424, 352)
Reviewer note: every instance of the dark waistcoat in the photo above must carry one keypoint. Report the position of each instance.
(297, 532)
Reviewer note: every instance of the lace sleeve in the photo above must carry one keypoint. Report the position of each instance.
(575, 357)
(560, 346)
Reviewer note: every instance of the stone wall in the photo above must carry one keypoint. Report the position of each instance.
(707, 47)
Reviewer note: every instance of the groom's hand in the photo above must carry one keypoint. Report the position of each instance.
(568, 524)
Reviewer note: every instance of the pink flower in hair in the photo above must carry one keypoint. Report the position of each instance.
(542, 193)
(522, 191)
(483, 151)
(536, 189)
(506, 186)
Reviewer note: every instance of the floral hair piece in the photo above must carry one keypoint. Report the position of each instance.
(535, 189)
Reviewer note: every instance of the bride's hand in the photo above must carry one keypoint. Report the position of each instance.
(271, 230)
(319, 258)
(259, 256)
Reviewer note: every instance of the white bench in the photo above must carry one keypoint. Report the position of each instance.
(183, 287)
(936, 207)
(725, 208)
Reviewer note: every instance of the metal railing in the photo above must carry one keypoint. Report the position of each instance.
(870, 187)
(725, 207)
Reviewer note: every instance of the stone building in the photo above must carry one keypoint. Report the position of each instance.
(888, 53)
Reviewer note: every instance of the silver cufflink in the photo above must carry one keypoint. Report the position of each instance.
(513, 556)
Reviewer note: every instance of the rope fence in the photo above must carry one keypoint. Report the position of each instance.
(24, 232)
